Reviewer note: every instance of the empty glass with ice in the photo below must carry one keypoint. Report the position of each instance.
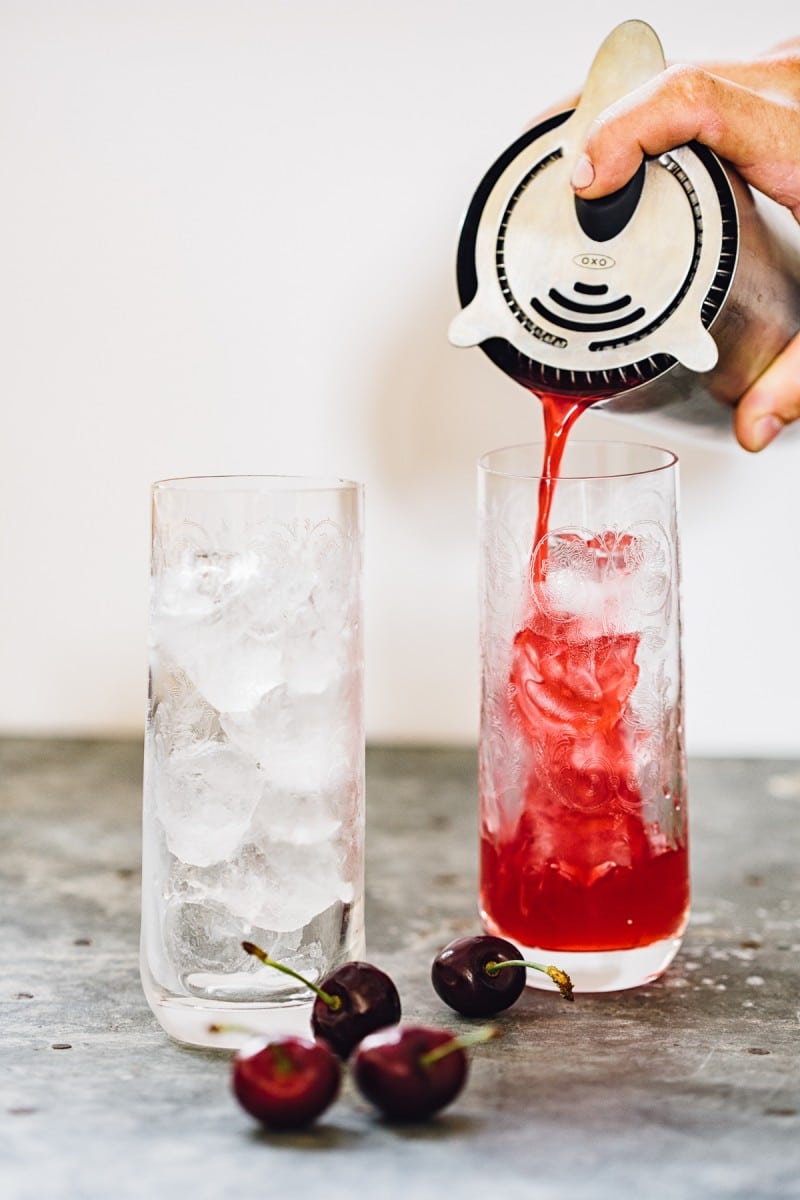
(254, 750)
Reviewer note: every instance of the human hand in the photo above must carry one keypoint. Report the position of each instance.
(747, 113)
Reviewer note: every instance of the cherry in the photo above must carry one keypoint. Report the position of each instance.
(369, 1001)
(285, 1082)
(410, 1072)
(481, 975)
(353, 1001)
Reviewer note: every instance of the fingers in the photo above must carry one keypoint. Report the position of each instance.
(759, 135)
(676, 107)
(773, 74)
(772, 402)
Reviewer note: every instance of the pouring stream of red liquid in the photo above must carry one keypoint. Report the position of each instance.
(583, 870)
(559, 416)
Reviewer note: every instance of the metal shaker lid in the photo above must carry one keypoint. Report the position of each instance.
(593, 298)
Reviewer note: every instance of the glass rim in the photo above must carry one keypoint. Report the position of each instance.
(256, 483)
(670, 460)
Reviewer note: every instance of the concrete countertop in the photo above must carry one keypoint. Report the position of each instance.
(688, 1087)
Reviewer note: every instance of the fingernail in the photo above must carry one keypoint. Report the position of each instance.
(583, 173)
(764, 430)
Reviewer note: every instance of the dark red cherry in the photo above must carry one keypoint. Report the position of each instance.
(460, 977)
(481, 975)
(409, 1072)
(285, 1082)
(352, 1001)
(368, 1000)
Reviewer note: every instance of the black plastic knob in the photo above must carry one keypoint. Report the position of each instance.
(606, 217)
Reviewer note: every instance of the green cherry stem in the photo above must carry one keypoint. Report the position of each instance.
(334, 1003)
(560, 978)
(474, 1037)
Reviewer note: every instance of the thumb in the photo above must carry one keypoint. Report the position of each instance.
(772, 402)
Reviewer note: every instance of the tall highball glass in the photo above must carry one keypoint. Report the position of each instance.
(254, 750)
(583, 827)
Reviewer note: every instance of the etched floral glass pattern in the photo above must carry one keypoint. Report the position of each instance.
(254, 756)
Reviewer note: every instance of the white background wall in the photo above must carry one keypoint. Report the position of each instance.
(227, 245)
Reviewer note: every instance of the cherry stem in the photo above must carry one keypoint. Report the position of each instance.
(560, 978)
(474, 1037)
(334, 1003)
(231, 1027)
(281, 1060)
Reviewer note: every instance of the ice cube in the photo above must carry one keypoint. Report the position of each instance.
(236, 884)
(274, 883)
(296, 818)
(608, 581)
(304, 742)
(216, 616)
(315, 661)
(182, 718)
(204, 944)
(571, 684)
(201, 935)
(302, 881)
(242, 621)
(239, 671)
(205, 798)
(271, 884)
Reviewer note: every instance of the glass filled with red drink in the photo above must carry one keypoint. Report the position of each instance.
(583, 828)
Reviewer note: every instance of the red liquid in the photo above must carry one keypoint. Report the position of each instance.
(586, 866)
(559, 417)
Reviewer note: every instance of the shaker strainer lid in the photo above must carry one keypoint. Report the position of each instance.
(592, 298)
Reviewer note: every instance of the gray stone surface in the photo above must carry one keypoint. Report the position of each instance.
(689, 1087)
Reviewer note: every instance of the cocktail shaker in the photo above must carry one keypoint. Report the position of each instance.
(669, 297)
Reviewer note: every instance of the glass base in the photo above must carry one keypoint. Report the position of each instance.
(287, 1011)
(601, 970)
(189, 1020)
